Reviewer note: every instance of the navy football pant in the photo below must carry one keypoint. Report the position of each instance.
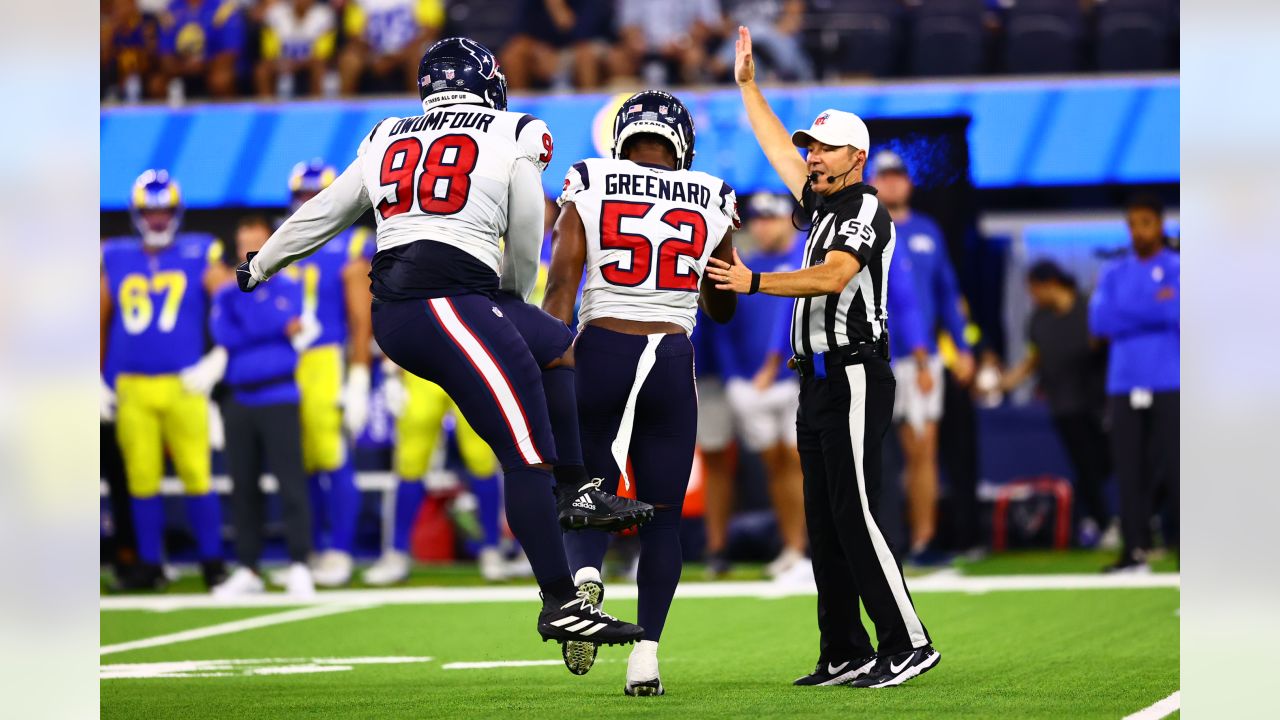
(471, 349)
(548, 338)
(664, 429)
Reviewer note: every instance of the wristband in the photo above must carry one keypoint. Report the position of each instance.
(755, 283)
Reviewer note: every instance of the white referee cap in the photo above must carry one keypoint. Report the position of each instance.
(837, 128)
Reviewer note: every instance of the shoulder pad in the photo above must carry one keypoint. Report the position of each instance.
(533, 137)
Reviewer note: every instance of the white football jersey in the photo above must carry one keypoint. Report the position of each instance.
(466, 176)
(650, 232)
(446, 175)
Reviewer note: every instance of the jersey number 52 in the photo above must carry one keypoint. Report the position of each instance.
(445, 181)
(642, 261)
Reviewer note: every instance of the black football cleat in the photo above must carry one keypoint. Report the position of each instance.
(589, 507)
(142, 576)
(579, 620)
(580, 656)
(891, 670)
(837, 673)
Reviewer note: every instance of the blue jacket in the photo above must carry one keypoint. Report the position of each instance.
(905, 332)
(937, 293)
(1136, 307)
(761, 323)
(251, 326)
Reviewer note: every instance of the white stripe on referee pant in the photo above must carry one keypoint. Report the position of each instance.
(508, 403)
(857, 375)
(622, 443)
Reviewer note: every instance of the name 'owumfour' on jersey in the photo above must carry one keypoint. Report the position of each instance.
(650, 232)
(445, 120)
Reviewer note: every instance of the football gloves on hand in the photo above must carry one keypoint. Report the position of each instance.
(355, 399)
(244, 277)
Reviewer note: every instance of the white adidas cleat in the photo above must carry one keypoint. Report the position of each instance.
(334, 569)
(299, 584)
(391, 568)
(493, 567)
(241, 583)
(642, 671)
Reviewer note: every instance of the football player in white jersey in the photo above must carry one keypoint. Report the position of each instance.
(445, 186)
(644, 226)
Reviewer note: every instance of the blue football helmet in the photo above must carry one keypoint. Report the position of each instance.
(657, 113)
(460, 70)
(155, 205)
(308, 178)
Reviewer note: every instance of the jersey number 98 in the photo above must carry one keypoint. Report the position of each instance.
(446, 175)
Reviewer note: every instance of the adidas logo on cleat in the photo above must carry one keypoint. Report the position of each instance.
(584, 502)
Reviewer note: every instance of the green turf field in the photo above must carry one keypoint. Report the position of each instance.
(1101, 653)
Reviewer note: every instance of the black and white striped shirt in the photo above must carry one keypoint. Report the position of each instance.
(853, 221)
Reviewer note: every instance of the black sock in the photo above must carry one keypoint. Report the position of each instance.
(562, 405)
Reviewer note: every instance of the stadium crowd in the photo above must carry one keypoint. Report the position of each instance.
(178, 49)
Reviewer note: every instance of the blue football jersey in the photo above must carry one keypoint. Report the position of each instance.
(323, 292)
(159, 303)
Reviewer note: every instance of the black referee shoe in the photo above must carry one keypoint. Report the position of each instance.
(589, 507)
(896, 669)
(841, 673)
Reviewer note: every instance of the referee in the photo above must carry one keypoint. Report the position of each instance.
(847, 388)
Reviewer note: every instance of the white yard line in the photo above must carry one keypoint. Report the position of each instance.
(344, 599)
(1164, 708)
(235, 626)
(499, 664)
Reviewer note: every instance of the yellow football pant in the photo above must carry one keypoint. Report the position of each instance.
(155, 412)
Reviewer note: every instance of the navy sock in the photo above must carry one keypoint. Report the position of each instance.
(316, 493)
(205, 514)
(344, 506)
(559, 384)
(531, 513)
(409, 497)
(148, 526)
(586, 548)
(659, 571)
(488, 494)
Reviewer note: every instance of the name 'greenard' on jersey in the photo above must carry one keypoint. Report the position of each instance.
(650, 232)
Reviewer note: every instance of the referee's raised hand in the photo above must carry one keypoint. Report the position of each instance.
(744, 66)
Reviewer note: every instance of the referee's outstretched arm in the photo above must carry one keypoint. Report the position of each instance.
(770, 133)
(832, 276)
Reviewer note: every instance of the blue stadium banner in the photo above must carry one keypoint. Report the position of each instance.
(1023, 133)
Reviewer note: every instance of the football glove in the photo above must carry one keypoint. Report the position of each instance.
(355, 399)
(309, 333)
(205, 373)
(244, 277)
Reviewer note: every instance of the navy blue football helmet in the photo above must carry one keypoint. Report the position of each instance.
(460, 70)
(658, 113)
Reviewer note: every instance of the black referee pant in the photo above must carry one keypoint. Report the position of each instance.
(841, 426)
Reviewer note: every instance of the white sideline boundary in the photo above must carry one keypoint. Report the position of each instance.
(1164, 708)
(234, 626)
(343, 600)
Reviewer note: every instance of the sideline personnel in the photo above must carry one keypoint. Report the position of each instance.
(847, 387)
